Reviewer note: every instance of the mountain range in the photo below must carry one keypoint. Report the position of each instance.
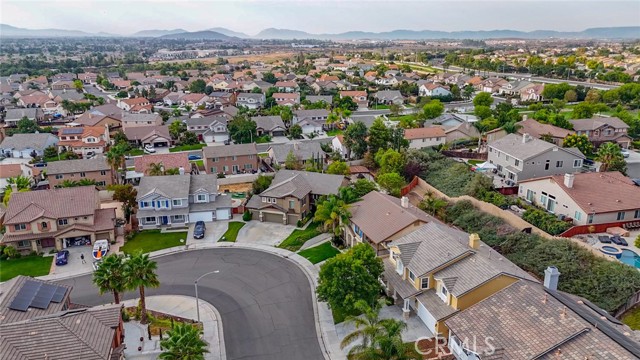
(219, 33)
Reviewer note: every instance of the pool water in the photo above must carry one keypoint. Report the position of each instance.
(630, 258)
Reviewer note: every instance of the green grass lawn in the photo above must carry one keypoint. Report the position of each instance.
(152, 240)
(475, 162)
(263, 139)
(232, 232)
(380, 107)
(135, 152)
(187, 147)
(319, 253)
(62, 156)
(28, 266)
(632, 318)
(298, 237)
(403, 117)
(199, 163)
(334, 132)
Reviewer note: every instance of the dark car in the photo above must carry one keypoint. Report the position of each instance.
(195, 157)
(62, 257)
(198, 230)
(618, 240)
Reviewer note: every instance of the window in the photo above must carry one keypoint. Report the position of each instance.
(150, 219)
(636, 215)
(412, 276)
(234, 158)
(23, 243)
(248, 166)
(225, 168)
(83, 174)
(101, 183)
(178, 218)
(62, 222)
(59, 176)
(214, 170)
(44, 225)
(236, 169)
(202, 198)
(546, 165)
(530, 195)
(19, 227)
(590, 219)
(517, 162)
(543, 198)
(103, 173)
(577, 163)
(177, 202)
(424, 283)
(577, 215)
(399, 267)
(620, 215)
(292, 204)
(559, 163)
(251, 156)
(215, 159)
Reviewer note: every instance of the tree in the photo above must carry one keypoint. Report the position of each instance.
(199, 86)
(392, 182)
(433, 205)
(189, 138)
(261, 183)
(242, 130)
(593, 96)
(176, 129)
(338, 168)
(432, 109)
(578, 141)
(570, 96)
(50, 152)
(483, 99)
(110, 276)
(25, 126)
(583, 111)
(269, 77)
(482, 112)
(22, 184)
(511, 127)
(395, 109)
(332, 212)
(467, 92)
(355, 139)
(77, 84)
(155, 169)
(184, 342)
(295, 131)
(378, 136)
(126, 194)
(367, 328)
(610, 155)
(140, 273)
(390, 161)
(363, 186)
(556, 91)
(115, 158)
(349, 277)
(292, 162)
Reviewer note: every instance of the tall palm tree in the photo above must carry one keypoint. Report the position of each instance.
(610, 155)
(332, 212)
(141, 273)
(115, 159)
(511, 127)
(184, 343)
(110, 276)
(368, 327)
(389, 342)
(155, 169)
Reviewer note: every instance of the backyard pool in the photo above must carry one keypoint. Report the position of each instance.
(630, 258)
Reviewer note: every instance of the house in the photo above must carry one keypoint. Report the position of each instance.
(603, 129)
(462, 131)
(526, 320)
(513, 88)
(317, 98)
(210, 129)
(178, 200)
(323, 86)
(521, 157)
(156, 136)
(319, 116)
(43, 220)
(338, 145)
(177, 160)
(358, 97)
(357, 172)
(389, 97)
(95, 169)
(43, 102)
(84, 140)
(39, 319)
(437, 271)
(535, 129)
(286, 99)
(88, 78)
(292, 195)
(492, 85)
(90, 118)
(231, 159)
(135, 105)
(431, 89)
(131, 120)
(62, 85)
(8, 171)
(425, 137)
(250, 100)
(379, 218)
(221, 99)
(269, 125)
(586, 198)
(532, 92)
(304, 152)
(24, 145)
(12, 116)
(287, 86)
(194, 100)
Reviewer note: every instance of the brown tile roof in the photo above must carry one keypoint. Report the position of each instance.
(353, 93)
(358, 169)
(230, 150)
(600, 192)
(425, 132)
(9, 290)
(597, 122)
(170, 161)
(135, 101)
(292, 96)
(536, 129)
(10, 170)
(54, 203)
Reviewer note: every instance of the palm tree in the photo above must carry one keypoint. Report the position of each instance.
(433, 205)
(367, 327)
(390, 345)
(511, 127)
(140, 273)
(110, 276)
(610, 155)
(184, 343)
(332, 212)
(68, 183)
(115, 158)
(347, 195)
(86, 182)
(22, 184)
(155, 169)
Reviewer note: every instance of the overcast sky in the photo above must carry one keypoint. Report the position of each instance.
(126, 17)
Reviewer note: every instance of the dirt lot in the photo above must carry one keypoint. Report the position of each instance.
(238, 188)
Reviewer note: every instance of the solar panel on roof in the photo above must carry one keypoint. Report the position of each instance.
(71, 131)
(59, 294)
(44, 296)
(25, 295)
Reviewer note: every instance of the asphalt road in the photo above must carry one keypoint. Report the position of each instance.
(264, 300)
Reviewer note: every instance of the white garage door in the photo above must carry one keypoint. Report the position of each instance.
(223, 214)
(200, 216)
(427, 318)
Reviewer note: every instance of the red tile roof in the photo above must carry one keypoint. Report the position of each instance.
(424, 133)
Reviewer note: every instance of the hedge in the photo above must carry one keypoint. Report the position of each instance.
(545, 221)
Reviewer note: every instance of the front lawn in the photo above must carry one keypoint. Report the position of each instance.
(334, 132)
(298, 237)
(263, 139)
(232, 232)
(28, 265)
(199, 163)
(319, 253)
(380, 107)
(135, 152)
(62, 156)
(187, 147)
(632, 318)
(153, 240)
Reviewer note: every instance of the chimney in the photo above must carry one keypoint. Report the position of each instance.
(474, 241)
(568, 180)
(525, 138)
(181, 170)
(551, 276)
(404, 202)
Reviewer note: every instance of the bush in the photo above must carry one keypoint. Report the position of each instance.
(125, 315)
(247, 216)
(10, 252)
(637, 242)
(545, 221)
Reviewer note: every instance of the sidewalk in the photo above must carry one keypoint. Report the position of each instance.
(316, 241)
(182, 306)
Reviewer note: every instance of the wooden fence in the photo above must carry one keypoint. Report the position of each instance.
(631, 302)
(596, 228)
(465, 154)
(407, 189)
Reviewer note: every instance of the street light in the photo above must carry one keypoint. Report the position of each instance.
(196, 285)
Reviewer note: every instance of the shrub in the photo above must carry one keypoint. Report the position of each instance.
(545, 221)
(637, 242)
(10, 252)
(246, 216)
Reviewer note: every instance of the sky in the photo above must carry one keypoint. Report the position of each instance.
(329, 16)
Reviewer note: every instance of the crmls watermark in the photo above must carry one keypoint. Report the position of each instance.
(440, 345)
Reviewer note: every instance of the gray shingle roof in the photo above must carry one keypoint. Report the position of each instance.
(388, 95)
(316, 98)
(312, 113)
(98, 163)
(171, 186)
(296, 186)
(303, 150)
(17, 114)
(513, 145)
(596, 122)
(268, 123)
(230, 150)
(321, 184)
(206, 182)
(28, 141)
(438, 308)
(207, 120)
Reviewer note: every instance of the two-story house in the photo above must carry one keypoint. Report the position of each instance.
(292, 195)
(135, 105)
(178, 200)
(316, 117)
(286, 99)
(210, 129)
(600, 130)
(95, 169)
(425, 137)
(305, 152)
(26, 145)
(156, 136)
(250, 100)
(85, 140)
(535, 129)
(358, 97)
(231, 159)
(287, 86)
(131, 120)
(42, 220)
(521, 157)
(437, 271)
(194, 100)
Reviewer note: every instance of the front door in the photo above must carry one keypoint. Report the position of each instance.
(164, 220)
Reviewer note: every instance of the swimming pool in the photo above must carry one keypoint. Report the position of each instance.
(630, 258)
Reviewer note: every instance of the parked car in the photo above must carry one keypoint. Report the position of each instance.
(618, 240)
(62, 257)
(195, 157)
(625, 153)
(149, 149)
(604, 239)
(199, 229)
(40, 164)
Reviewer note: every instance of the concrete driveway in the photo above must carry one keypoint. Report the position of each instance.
(75, 265)
(213, 232)
(264, 233)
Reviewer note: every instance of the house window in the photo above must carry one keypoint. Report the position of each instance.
(59, 176)
(236, 169)
(178, 218)
(620, 215)
(412, 276)
(559, 164)
(19, 227)
(62, 222)
(234, 158)
(543, 199)
(399, 267)
(577, 163)
(150, 219)
(101, 183)
(103, 173)
(248, 166)
(546, 165)
(636, 214)
(215, 159)
(44, 225)
(590, 219)
(202, 198)
(23, 243)
(264, 199)
(177, 202)
(577, 215)
(424, 283)
(292, 204)
(214, 170)
(529, 195)
(83, 174)
(517, 162)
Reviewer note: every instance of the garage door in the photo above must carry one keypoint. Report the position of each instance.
(223, 214)
(427, 318)
(270, 217)
(200, 216)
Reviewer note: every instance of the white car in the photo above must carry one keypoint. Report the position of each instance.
(149, 149)
(625, 153)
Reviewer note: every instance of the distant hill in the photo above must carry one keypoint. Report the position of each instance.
(225, 31)
(285, 34)
(199, 35)
(12, 31)
(157, 33)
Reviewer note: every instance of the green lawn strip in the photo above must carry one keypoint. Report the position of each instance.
(475, 162)
(152, 240)
(632, 318)
(187, 147)
(334, 132)
(135, 152)
(199, 163)
(232, 232)
(263, 139)
(298, 237)
(62, 156)
(27, 265)
(319, 253)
